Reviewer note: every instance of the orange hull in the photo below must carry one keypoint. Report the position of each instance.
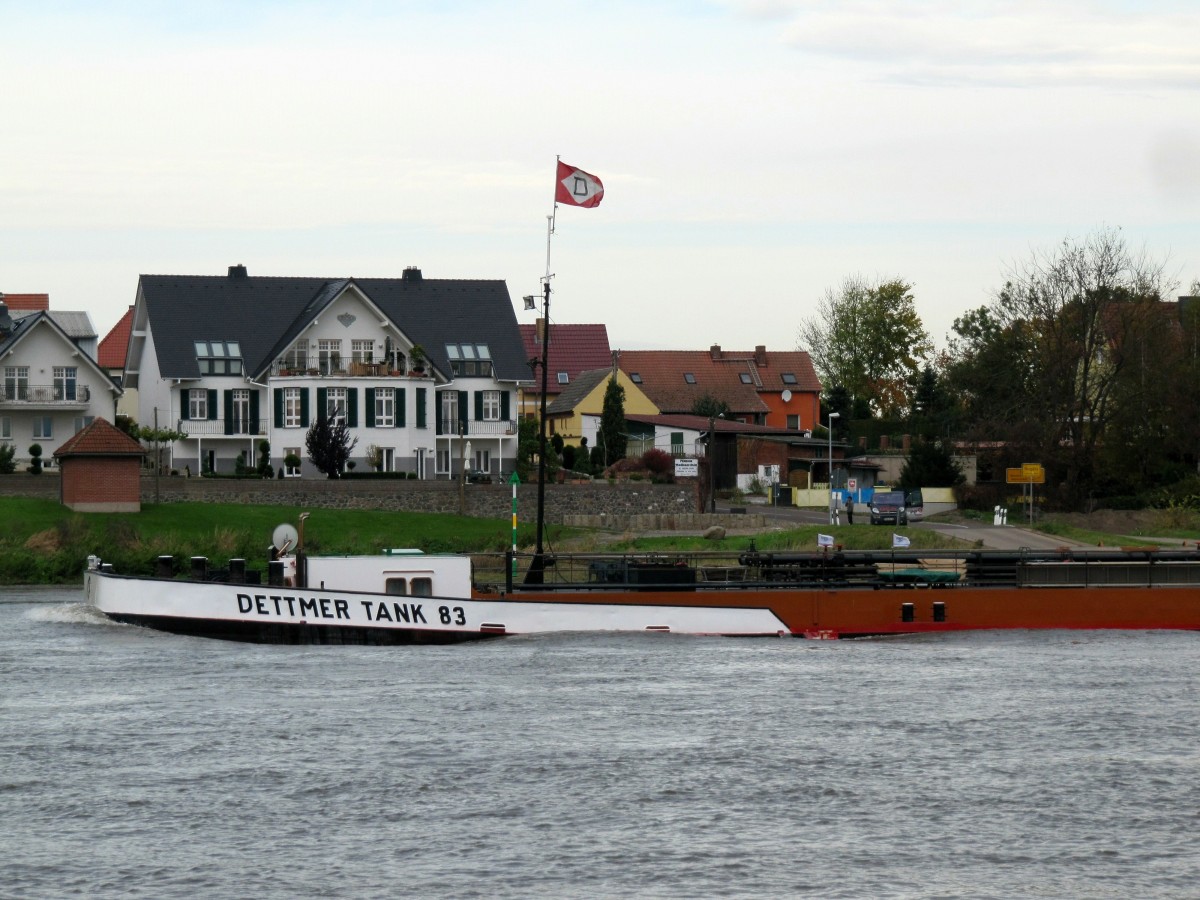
(846, 612)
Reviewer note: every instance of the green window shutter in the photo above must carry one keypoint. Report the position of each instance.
(370, 404)
(463, 401)
(212, 404)
(400, 408)
(479, 406)
(184, 403)
(254, 412)
(278, 407)
(322, 403)
(421, 407)
(304, 408)
(352, 407)
(504, 409)
(229, 412)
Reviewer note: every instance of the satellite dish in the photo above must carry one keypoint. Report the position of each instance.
(787, 396)
(285, 535)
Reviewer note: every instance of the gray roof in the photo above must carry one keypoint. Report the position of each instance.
(24, 323)
(266, 314)
(76, 325)
(572, 394)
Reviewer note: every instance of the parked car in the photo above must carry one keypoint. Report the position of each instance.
(887, 508)
(914, 504)
(478, 476)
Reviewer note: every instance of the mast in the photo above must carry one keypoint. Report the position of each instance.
(537, 567)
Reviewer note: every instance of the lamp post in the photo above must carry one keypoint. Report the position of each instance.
(711, 452)
(832, 416)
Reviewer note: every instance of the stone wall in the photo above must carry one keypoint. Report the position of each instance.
(563, 501)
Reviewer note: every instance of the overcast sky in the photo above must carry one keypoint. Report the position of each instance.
(753, 152)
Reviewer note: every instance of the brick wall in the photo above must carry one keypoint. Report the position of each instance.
(99, 484)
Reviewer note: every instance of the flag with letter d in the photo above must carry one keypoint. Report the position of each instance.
(824, 540)
(576, 187)
(899, 540)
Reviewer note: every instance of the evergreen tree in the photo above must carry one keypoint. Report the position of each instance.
(930, 465)
(329, 446)
(612, 423)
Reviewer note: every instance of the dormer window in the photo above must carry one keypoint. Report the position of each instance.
(219, 357)
(469, 360)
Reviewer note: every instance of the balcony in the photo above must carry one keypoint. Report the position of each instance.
(471, 428)
(300, 368)
(45, 396)
(240, 428)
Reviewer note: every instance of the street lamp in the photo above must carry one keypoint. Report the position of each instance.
(832, 416)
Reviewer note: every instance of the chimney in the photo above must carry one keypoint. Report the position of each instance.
(760, 355)
(715, 351)
(238, 271)
(6, 322)
(412, 273)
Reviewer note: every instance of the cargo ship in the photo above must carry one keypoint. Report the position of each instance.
(407, 597)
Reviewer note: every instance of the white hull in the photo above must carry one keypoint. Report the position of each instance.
(322, 615)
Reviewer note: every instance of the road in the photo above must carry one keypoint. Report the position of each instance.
(993, 537)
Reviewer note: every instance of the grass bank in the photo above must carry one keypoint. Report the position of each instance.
(42, 542)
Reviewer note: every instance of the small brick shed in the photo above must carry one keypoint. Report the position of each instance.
(100, 468)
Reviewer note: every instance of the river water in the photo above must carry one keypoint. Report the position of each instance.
(1023, 764)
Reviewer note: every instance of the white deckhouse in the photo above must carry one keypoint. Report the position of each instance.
(424, 372)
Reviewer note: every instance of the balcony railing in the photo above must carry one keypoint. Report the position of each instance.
(472, 428)
(351, 369)
(216, 428)
(45, 394)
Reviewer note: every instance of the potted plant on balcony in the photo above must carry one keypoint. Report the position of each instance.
(416, 357)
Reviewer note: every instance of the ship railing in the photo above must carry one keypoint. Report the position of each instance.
(879, 569)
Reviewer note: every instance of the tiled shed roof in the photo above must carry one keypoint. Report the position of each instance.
(100, 438)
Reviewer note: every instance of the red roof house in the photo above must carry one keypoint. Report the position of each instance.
(573, 349)
(115, 343)
(779, 389)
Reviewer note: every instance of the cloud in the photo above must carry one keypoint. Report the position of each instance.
(1021, 44)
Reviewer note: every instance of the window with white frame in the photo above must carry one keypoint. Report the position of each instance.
(65, 382)
(5, 428)
(469, 359)
(329, 354)
(16, 382)
(362, 351)
(443, 462)
(43, 427)
(491, 406)
(197, 403)
(297, 357)
(335, 404)
(82, 422)
(483, 460)
(241, 411)
(289, 471)
(291, 408)
(385, 407)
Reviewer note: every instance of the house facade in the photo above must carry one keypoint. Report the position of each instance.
(424, 373)
(50, 383)
(575, 412)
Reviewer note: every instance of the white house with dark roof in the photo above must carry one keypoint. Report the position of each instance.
(424, 370)
(50, 383)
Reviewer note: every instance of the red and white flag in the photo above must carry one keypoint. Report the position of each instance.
(576, 187)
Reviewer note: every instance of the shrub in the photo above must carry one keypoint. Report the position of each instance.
(7, 452)
(659, 462)
(35, 462)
